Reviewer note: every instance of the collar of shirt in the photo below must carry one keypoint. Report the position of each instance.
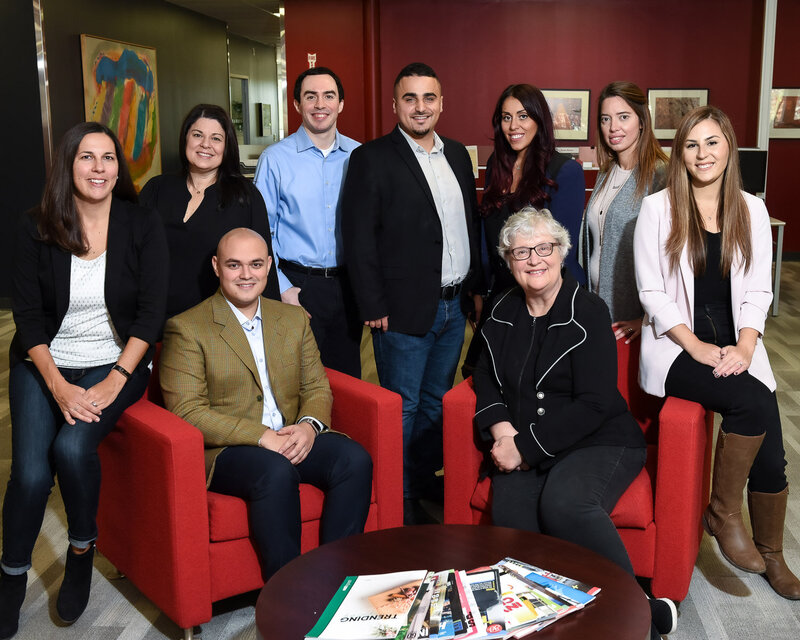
(247, 323)
(304, 143)
(438, 145)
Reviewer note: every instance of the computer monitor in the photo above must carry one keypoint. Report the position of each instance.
(754, 170)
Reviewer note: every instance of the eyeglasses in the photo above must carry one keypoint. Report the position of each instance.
(543, 249)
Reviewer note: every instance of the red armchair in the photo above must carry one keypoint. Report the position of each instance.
(658, 517)
(185, 547)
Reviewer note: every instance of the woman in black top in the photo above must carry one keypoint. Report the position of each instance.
(207, 200)
(89, 295)
(564, 446)
(526, 170)
(703, 255)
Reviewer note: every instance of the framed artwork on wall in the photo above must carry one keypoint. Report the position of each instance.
(570, 111)
(120, 90)
(784, 113)
(668, 106)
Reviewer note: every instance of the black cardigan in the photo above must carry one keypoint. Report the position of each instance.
(575, 402)
(137, 264)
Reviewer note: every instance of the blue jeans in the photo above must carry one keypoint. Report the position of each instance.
(571, 500)
(43, 444)
(421, 369)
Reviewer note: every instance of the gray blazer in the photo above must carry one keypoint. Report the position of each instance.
(617, 279)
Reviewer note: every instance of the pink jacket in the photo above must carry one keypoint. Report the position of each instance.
(668, 298)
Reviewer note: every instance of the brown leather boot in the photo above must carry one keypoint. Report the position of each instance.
(723, 516)
(767, 514)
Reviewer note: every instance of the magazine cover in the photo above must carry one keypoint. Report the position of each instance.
(485, 587)
(418, 617)
(438, 602)
(562, 591)
(575, 584)
(371, 606)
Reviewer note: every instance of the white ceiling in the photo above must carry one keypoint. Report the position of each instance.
(253, 19)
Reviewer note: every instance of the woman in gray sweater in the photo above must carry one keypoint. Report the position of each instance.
(632, 165)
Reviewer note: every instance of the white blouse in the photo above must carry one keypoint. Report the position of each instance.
(86, 337)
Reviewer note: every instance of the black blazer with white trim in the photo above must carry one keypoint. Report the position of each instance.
(576, 401)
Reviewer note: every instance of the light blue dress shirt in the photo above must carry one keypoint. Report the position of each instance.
(301, 188)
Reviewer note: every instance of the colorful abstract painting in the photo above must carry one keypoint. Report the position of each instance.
(120, 90)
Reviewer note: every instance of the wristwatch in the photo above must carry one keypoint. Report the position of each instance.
(319, 427)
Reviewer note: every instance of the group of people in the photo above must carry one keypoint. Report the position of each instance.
(388, 235)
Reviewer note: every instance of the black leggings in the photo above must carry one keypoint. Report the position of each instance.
(747, 407)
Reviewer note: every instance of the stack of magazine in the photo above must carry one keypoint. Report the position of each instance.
(510, 599)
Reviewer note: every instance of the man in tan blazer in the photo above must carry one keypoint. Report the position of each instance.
(246, 371)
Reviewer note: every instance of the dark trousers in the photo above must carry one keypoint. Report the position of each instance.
(747, 408)
(270, 484)
(571, 500)
(334, 322)
(44, 445)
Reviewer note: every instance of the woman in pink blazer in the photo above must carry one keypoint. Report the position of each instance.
(703, 255)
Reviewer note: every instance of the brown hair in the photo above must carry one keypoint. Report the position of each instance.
(58, 220)
(649, 152)
(733, 215)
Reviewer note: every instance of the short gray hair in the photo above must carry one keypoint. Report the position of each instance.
(529, 221)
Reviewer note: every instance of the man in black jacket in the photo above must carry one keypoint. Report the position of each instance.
(408, 206)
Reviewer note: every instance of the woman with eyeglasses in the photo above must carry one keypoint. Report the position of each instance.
(564, 447)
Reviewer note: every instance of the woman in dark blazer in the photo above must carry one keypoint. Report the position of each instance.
(209, 198)
(564, 446)
(89, 299)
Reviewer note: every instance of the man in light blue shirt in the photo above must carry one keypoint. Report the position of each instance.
(300, 178)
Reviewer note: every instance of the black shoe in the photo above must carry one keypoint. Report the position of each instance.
(664, 615)
(12, 594)
(415, 513)
(73, 596)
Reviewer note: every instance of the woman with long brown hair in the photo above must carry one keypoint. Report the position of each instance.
(526, 170)
(703, 254)
(89, 294)
(632, 165)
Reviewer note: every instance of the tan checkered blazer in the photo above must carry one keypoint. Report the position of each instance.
(209, 377)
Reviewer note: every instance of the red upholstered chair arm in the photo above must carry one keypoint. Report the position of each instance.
(373, 417)
(153, 520)
(684, 434)
(462, 459)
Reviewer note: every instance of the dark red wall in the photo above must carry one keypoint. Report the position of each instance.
(335, 32)
(784, 154)
(479, 46)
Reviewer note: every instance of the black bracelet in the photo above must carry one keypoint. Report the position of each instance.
(124, 372)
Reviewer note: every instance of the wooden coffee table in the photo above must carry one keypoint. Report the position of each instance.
(291, 602)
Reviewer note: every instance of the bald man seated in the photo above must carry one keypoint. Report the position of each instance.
(246, 371)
